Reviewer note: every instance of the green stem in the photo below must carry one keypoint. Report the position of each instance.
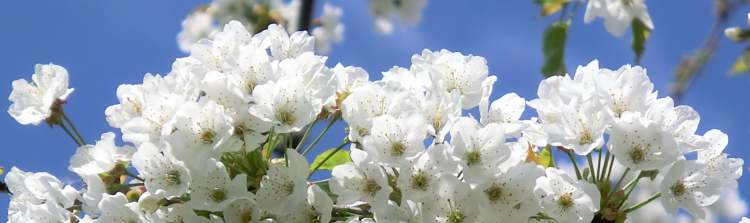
(591, 168)
(606, 162)
(128, 173)
(320, 136)
(70, 134)
(72, 126)
(630, 187)
(338, 148)
(304, 136)
(619, 181)
(642, 203)
(611, 164)
(599, 164)
(573, 160)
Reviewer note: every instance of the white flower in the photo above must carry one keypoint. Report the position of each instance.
(198, 25)
(115, 208)
(370, 101)
(392, 141)
(453, 202)
(686, 186)
(625, 89)
(284, 186)
(212, 188)
(92, 193)
(507, 194)
(420, 180)
(477, 149)
(618, 14)
(38, 197)
(682, 121)
(570, 111)
(347, 79)
(242, 209)
(161, 171)
(566, 199)
(389, 211)
(199, 130)
(640, 144)
(745, 220)
(404, 11)
(34, 102)
(99, 158)
(330, 29)
(505, 111)
(452, 71)
(283, 45)
(360, 181)
(284, 103)
(718, 164)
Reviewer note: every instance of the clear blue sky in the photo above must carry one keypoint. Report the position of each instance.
(107, 43)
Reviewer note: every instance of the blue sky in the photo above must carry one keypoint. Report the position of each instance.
(107, 43)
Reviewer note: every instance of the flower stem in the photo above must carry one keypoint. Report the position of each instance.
(128, 173)
(630, 187)
(591, 168)
(573, 160)
(72, 126)
(320, 136)
(70, 134)
(304, 136)
(338, 148)
(642, 203)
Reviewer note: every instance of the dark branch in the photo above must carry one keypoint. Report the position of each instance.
(305, 15)
(4, 188)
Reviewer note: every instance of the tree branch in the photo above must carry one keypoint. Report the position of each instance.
(305, 15)
(692, 66)
(4, 188)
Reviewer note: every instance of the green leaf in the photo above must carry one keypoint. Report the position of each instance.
(338, 158)
(550, 7)
(554, 49)
(640, 35)
(742, 64)
(544, 157)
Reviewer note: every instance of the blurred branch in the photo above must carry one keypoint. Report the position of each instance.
(305, 15)
(692, 66)
(4, 188)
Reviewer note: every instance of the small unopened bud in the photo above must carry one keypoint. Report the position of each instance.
(149, 202)
(133, 195)
(107, 178)
(733, 33)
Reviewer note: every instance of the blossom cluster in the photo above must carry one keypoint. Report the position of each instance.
(216, 140)
(258, 14)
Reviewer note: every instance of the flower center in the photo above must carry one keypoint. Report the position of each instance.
(637, 154)
(455, 216)
(371, 187)
(172, 177)
(246, 215)
(678, 189)
(586, 137)
(566, 200)
(285, 117)
(494, 192)
(287, 188)
(207, 135)
(420, 181)
(473, 157)
(398, 149)
(217, 194)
